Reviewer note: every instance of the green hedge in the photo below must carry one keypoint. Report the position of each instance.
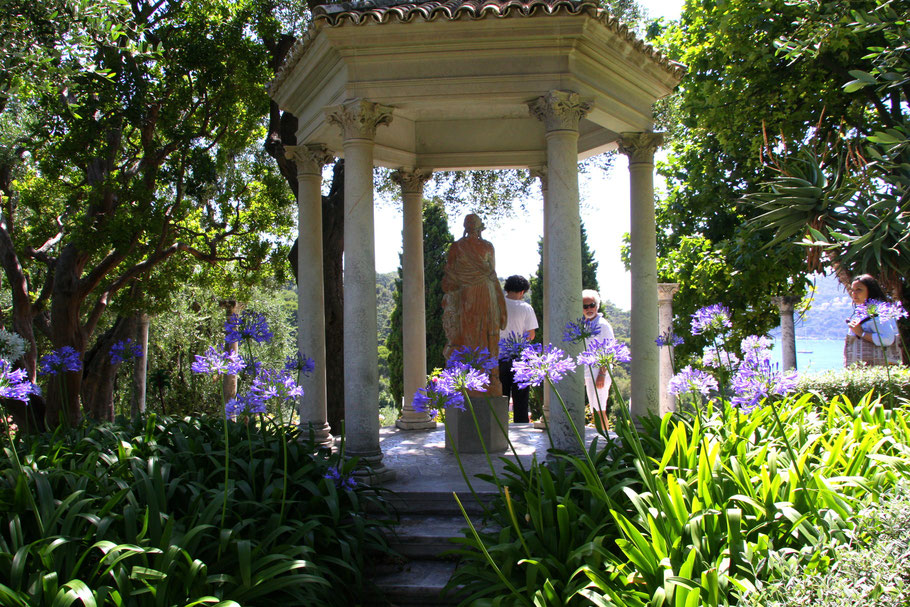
(856, 381)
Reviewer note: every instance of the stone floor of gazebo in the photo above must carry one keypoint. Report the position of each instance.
(422, 463)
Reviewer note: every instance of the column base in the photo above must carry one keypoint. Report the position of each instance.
(321, 434)
(371, 470)
(540, 425)
(416, 424)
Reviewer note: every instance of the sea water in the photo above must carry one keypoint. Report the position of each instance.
(814, 355)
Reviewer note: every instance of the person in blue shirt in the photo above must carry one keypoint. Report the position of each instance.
(870, 340)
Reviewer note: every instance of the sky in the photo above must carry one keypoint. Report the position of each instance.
(604, 212)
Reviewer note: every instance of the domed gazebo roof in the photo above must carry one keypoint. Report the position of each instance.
(459, 75)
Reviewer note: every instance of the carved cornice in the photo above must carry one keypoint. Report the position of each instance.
(411, 180)
(560, 110)
(309, 158)
(640, 147)
(358, 118)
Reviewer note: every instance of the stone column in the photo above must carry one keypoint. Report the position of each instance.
(640, 148)
(310, 288)
(358, 120)
(413, 298)
(665, 293)
(561, 111)
(541, 174)
(787, 330)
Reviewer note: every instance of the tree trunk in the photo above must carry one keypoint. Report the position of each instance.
(98, 372)
(140, 366)
(229, 381)
(64, 389)
(332, 250)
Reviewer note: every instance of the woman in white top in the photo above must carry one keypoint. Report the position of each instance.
(870, 340)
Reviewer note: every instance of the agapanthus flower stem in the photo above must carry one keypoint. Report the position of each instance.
(793, 460)
(505, 432)
(581, 442)
(21, 472)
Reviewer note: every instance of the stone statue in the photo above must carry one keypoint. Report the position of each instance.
(474, 307)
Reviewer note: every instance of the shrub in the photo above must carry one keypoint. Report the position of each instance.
(856, 381)
(700, 507)
(871, 571)
(132, 516)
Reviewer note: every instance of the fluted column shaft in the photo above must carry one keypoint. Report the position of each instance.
(561, 112)
(413, 298)
(310, 291)
(640, 148)
(358, 120)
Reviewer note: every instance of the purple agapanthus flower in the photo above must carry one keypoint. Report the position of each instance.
(218, 362)
(539, 363)
(270, 384)
(63, 360)
(245, 404)
(717, 359)
(511, 347)
(299, 363)
(342, 481)
(579, 330)
(604, 353)
(756, 350)
(461, 376)
(691, 380)
(711, 319)
(884, 310)
(752, 383)
(248, 325)
(668, 339)
(476, 358)
(14, 383)
(125, 350)
(433, 399)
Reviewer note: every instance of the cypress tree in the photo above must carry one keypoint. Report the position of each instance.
(436, 242)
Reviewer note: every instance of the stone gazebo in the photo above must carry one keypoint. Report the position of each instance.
(456, 85)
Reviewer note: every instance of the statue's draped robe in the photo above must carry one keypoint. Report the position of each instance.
(474, 308)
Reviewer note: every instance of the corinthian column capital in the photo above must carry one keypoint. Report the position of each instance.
(411, 180)
(358, 118)
(560, 110)
(309, 158)
(540, 172)
(640, 147)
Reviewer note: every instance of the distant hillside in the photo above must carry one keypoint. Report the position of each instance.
(825, 318)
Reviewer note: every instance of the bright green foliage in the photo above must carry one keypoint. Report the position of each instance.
(436, 242)
(850, 196)
(740, 89)
(871, 571)
(132, 517)
(697, 509)
(148, 177)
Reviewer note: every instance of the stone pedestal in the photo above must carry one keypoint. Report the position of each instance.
(461, 431)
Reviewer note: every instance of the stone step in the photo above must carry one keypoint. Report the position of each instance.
(429, 536)
(437, 502)
(418, 582)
